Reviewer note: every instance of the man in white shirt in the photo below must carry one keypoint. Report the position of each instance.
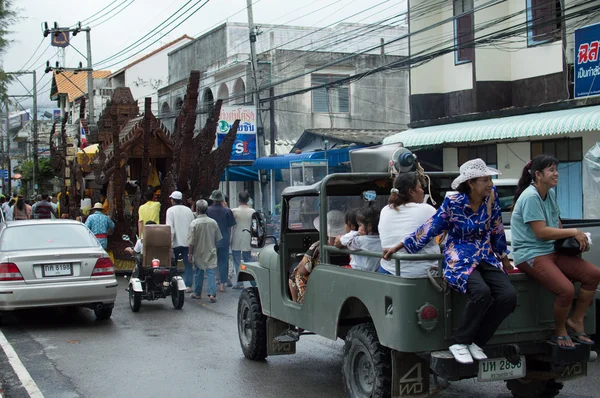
(179, 218)
(240, 240)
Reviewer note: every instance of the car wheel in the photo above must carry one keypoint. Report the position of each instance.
(177, 297)
(135, 299)
(252, 325)
(367, 366)
(528, 388)
(103, 313)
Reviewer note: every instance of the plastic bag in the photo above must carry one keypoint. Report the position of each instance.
(591, 183)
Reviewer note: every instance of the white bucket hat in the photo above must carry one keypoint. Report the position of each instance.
(336, 223)
(473, 169)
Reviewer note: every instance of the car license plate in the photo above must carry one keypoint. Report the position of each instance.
(57, 270)
(500, 369)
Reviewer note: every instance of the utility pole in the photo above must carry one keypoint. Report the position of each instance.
(8, 168)
(272, 135)
(35, 137)
(90, 77)
(260, 137)
(33, 95)
(57, 30)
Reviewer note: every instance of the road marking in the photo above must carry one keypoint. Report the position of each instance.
(22, 373)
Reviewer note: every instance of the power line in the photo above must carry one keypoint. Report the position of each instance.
(32, 55)
(91, 21)
(423, 56)
(150, 34)
(83, 21)
(114, 15)
(155, 41)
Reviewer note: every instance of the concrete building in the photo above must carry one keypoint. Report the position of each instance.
(498, 84)
(301, 58)
(147, 74)
(222, 55)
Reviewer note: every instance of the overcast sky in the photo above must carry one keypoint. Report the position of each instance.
(138, 17)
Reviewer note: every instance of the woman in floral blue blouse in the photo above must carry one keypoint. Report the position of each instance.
(475, 256)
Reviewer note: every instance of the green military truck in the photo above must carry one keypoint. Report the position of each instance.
(396, 330)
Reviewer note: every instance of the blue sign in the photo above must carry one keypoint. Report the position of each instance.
(587, 66)
(244, 147)
(3, 173)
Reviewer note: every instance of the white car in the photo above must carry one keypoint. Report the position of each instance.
(51, 263)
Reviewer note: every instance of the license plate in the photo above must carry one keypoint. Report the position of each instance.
(57, 270)
(500, 369)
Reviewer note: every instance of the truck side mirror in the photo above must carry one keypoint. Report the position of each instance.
(258, 231)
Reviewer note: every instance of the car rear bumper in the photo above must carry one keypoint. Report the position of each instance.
(58, 294)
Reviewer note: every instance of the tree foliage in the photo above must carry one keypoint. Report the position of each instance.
(8, 16)
(44, 169)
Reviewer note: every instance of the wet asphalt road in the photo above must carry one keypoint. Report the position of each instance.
(193, 352)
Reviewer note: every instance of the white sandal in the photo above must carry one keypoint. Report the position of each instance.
(476, 352)
(461, 353)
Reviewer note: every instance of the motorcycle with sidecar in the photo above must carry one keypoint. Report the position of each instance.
(153, 277)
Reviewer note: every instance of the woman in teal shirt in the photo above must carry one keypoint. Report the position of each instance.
(535, 226)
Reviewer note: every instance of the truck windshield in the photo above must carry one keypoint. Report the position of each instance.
(303, 210)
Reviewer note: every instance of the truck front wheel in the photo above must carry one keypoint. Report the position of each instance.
(528, 388)
(252, 325)
(367, 365)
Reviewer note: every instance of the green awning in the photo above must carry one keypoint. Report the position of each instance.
(576, 120)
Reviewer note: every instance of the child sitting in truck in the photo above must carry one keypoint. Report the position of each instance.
(299, 276)
(366, 239)
(341, 242)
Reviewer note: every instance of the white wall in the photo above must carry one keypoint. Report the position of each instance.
(439, 75)
(512, 157)
(450, 159)
(500, 62)
(146, 77)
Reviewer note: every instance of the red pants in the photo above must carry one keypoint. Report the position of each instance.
(555, 272)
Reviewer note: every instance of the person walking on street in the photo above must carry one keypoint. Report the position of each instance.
(101, 225)
(20, 211)
(43, 209)
(224, 218)
(203, 236)
(240, 240)
(179, 218)
(149, 211)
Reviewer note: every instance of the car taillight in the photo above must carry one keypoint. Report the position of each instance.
(428, 316)
(10, 272)
(103, 267)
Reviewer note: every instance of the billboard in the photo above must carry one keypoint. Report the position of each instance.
(587, 65)
(244, 147)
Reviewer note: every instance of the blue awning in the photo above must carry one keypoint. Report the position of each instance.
(334, 157)
(241, 173)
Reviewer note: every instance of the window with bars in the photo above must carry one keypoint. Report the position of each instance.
(464, 31)
(565, 150)
(332, 99)
(543, 21)
(488, 153)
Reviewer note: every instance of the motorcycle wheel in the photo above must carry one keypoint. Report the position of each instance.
(135, 300)
(177, 297)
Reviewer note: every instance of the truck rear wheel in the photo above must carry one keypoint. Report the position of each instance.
(527, 388)
(252, 325)
(367, 365)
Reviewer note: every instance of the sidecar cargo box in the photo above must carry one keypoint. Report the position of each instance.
(157, 244)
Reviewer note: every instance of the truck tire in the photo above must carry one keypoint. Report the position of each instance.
(527, 388)
(252, 325)
(367, 366)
